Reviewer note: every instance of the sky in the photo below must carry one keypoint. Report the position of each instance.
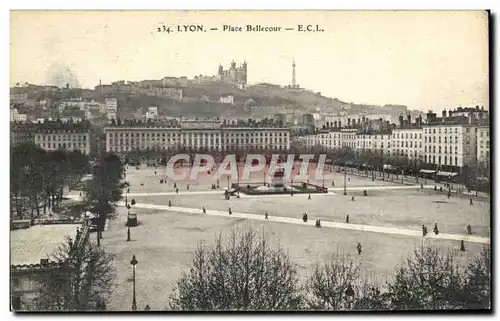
(421, 59)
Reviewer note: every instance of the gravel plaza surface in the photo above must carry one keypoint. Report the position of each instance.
(164, 240)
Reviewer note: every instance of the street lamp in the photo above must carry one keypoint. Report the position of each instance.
(345, 179)
(133, 262)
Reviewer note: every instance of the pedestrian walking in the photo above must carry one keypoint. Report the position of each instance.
(347, 218)
(449, 194)
(436, 230)
(155, 173)
(470, 203)
(176, 191)
(462, 246)
(318, 223)
(230, 212)
(364, 193)
(424, 230)
(358, 247)
(188, 187)
(469, 229)
(204, 210)
(175, 185)
(421, 186)
(333, 183)
(304, 217)
(169, 203)
(352, 198)
(266, 216)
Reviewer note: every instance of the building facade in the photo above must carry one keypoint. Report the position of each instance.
(483, 143)
(16, 116)
(450, 141)
(52, 136)
(197, 136)
(111, 108)
(70, 140)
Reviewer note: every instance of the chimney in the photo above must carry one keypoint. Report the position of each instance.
(444, 113)
(471, 118)
(335, 124)
(340, 124)
(67, 86)
(409, 119)
(349, 122)
(401, 121)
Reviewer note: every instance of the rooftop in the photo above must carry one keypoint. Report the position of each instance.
(28, 246)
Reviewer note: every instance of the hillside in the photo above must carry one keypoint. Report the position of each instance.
(202, 100)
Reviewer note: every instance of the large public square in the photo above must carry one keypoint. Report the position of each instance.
(387, 222)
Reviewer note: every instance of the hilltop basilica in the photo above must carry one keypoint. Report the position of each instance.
(234, 75)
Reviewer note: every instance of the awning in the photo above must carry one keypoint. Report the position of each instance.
(427, 171)
(447, 174)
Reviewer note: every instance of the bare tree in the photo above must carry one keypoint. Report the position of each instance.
(336, 284)
(84, 282)
(478, 285)
(242, 272)
(428, 280)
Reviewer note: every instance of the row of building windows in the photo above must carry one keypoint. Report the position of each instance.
(406, 136)
(159, 148)
(446, 140)
(61, 137)
(205, 141)
(195, 134)
(445, 130)
(63, 145)
(446, 160)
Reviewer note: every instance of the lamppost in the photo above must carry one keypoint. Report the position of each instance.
(345, 179)
(133, 262)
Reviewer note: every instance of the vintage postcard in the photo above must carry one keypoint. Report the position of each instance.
(250, 161)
